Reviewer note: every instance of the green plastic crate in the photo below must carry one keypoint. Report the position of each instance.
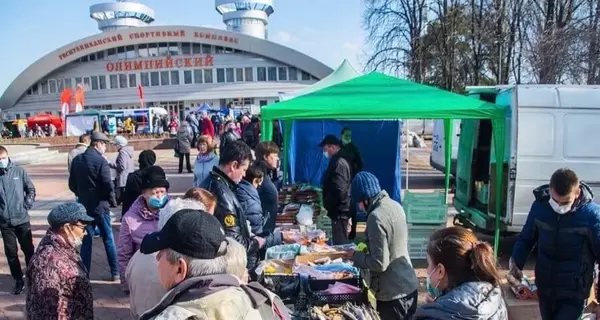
(418, 238)
(426, 207)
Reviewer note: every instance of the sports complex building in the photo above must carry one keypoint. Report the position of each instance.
(178, 67)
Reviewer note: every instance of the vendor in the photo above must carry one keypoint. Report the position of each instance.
(393, 278)
(463, 280)
(336, 187)
(352, 155)
(565, 224)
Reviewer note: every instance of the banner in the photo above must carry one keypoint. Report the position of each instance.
(79, 99)
(65, 102)
(141, 95)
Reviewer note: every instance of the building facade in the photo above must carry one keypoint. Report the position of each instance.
(178, 67)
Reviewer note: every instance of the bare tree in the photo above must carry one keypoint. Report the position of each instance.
(394, 29)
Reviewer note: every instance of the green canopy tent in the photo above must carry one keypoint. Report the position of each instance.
(376, 96)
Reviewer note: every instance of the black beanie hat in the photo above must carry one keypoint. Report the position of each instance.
(154, 177)
(146, 159)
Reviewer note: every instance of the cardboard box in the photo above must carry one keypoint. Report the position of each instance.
(310, 258)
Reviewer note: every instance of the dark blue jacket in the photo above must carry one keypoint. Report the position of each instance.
(249, 199)
(567, 245)
(17, 195)
(90, 180)
(268, 198)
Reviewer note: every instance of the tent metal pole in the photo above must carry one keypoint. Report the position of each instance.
(406, 162)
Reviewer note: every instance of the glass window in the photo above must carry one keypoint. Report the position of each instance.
(229, 74)
(111, 53)
(196, 48)
(34, 89)
(175, 77)
(44, 85)
(293, 73)
(220, 75)
(145, 79)
(173, 49)
(164, 78)
(154, 79)
(18, 116)
(249, 74)
(86, 82)
(197, 76)
(305, 76)
(153, 50)
(114, 81)
(272, 73)
(130, 52)
(84, 59)
(27, 114)
(227, 50)
(52, 84)
(206, 49)
(77, 81)
(100, 55)
(219, 50)
(93, 57)
(94, 82)
(132, 80)
(187, 76)
(143, 50)
(208, 75)
(28, 92)
(239, 74)
(102, 82)
(60, 85)
(261, 74)
(186, 48)
(282, 73)
(163, 49)
(68, 83)
(121, 52)
(122, 80)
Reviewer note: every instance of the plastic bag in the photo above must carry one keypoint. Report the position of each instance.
(305, 215)
(283, 252)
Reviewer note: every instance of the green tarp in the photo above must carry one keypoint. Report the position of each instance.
(376, 96)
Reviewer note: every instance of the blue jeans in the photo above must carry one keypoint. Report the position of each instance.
(104, 225)
(560, 309)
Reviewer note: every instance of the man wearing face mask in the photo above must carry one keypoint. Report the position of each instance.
(58, 284)
(222, 182)
(17, 195)
(336, 187)
(565, 224)
(91, 182)
(352, 155)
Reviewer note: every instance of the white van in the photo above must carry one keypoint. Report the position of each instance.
(549, 127)
(438, 148)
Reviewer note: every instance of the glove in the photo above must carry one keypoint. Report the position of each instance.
(515, 275)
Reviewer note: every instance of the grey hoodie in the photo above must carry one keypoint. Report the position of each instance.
(468, 301)
(124, 165)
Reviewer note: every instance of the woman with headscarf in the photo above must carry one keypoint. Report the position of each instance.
(183, 146)
(133, 186)
(58, 284)
(141, 218)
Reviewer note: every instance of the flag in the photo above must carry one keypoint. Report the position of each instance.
(65, 102)
(79, 99)
(141, 94)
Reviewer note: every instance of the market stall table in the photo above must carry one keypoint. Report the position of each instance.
(520, 309)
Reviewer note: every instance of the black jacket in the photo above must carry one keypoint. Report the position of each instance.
(268, 198)
(90, 180)
(133, 189)
(228, 208)
(226, 138)
(352, 155)
(17, 195)
(336, 186)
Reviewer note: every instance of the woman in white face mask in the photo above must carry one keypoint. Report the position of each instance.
(463, 281)
(57, 282)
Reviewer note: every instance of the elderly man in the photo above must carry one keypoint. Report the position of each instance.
(192, 265)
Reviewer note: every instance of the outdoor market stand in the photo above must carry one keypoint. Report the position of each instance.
(82, 122)
(376, 96)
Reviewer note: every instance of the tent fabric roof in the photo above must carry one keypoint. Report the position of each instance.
(343, 73)
(378, 96)
(89, 112)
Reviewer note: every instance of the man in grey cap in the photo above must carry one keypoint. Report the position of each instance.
(91, 182)
(57, 282)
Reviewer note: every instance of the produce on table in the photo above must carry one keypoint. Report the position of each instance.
(347, 311)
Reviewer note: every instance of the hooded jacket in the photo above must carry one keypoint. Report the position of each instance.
(203, 166)
(248, 197)
(568, 245)
(468, 301)
(134, 226)
(17, 195)
(123, 165)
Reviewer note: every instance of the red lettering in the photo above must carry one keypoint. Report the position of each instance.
(178, 63)
(127, 65)
(213, 36)
(119, 66)
(143, 35)
(208, 61)
(148, 64)
(169, 63)
(187, 62)
(119, 37)
(110, 67)
(198, 62)
(207, 35)
(86, 46)
(113, 38)
(196, 35)
(220, 38)
(158, 64)
(235, 40)
(132, 36)
(176, 34)
(137, 65)
(182, 33)
(226, 38)
(169, 34)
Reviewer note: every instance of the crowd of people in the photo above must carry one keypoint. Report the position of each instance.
(195, 257)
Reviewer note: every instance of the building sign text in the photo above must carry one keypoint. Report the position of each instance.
(158, 64)
(90, 44)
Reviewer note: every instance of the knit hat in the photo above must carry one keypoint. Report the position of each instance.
(66, 213)
(120, 141)
(154, 177)
(364, 186)
(146, 158)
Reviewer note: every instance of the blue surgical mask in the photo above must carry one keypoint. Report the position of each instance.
(433, 291)
(325, 154)
(3, 163)
(157, 202)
